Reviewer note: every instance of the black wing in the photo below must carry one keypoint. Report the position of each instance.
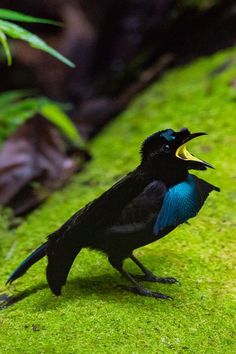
(142, 210)
(64, 244)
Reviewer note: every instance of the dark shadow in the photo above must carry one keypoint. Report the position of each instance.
(73, 289)
(9, 300)
(108, 287)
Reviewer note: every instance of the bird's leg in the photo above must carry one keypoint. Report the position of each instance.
(136, 288)
(148, 275)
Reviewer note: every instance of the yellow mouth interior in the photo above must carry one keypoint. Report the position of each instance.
(184, 154)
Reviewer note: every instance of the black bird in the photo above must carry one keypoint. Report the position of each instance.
(141, 208)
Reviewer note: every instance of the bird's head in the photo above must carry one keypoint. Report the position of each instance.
(167, 149)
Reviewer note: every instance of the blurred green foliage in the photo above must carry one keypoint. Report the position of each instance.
(12, 30)
(18, 106)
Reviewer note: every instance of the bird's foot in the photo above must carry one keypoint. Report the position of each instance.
(145, 292)
(153, 278)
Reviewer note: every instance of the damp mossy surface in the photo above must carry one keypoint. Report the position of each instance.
(94, 314)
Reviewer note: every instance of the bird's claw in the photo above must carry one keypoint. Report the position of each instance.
(153, 278)
(146, 292)
(168, 280)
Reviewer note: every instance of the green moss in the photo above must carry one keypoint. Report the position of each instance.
(94, 315)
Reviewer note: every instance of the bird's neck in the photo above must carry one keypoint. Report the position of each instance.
(170, 175)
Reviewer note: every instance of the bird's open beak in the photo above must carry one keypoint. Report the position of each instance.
(183, 154)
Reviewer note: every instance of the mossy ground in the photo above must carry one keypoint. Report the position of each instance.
(94, 315)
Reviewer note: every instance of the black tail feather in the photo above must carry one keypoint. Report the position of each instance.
(61, 256)
(34, 257)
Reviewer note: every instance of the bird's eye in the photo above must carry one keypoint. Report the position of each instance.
(166, 148)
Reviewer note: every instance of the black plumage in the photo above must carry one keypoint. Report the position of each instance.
(141, 208)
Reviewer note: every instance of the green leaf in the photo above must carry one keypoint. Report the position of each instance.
(3, 40)
(16, 108)
(9, 97)
(18, 32)
(18, 16)
(55, 114)
(16, 113)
